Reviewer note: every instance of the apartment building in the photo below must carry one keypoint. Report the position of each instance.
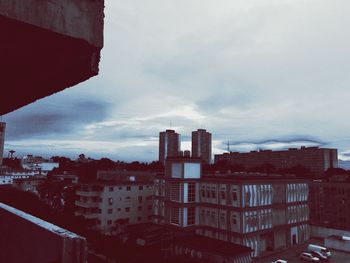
(258, 211)
(169, 145)
(316, 159)
(201, 145)
(330, 204)
(117, 199)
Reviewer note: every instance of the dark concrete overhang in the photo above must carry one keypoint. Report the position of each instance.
(47, 46)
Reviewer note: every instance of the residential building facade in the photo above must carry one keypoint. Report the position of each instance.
(330, 204)
(169, 145)
(201, 145)
(110, 204)
(261, 212)
(317, 160)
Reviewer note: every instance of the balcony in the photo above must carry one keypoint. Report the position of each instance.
(88, 193)
(23, 237)
(63, 39)
(88, 204)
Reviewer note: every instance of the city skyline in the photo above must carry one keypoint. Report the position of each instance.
(267, 75)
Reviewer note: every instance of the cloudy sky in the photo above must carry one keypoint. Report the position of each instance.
(263, 74)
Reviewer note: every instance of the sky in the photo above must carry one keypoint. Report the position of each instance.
(268, 74)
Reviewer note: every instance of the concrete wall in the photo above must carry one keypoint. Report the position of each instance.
(337, 244)
(323, 232)
(27, 239)
(82, 19)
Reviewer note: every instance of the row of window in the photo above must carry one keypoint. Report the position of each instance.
(128, 187)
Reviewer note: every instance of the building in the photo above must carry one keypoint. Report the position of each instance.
(38, 163)
(330, 204)
(201, 145)
(161, 243)
(261, 212)
(316, 159)
(8, 177)
(2, 140)
(30, 184)
(169, 145)
(114, 202)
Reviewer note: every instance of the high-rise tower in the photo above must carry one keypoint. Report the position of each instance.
(201, 145)
(2, 140)
(169, 145)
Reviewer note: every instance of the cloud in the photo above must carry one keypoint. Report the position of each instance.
(43, 119)
(272, 144)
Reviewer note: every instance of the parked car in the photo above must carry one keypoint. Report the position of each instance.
(319, 255)
(316, 248)
(279, 261)
(308, 257)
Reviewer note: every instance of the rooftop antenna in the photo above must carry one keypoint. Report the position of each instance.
(228, 146)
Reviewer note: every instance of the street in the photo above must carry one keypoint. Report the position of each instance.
(292, 254)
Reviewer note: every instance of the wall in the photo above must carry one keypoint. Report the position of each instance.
(323, 232)
(27, 239)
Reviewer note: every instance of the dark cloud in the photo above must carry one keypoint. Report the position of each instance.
(278, 144)
(47, 120)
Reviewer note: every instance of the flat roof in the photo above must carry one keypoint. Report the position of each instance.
(212, 245)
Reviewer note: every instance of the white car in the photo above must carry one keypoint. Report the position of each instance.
(319, 255)
(279, 261)
(308, 257)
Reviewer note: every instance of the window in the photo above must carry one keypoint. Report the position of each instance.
(140, 187)
(213, 192)
(174, 215)
(234, 220)
(111, 188)
(191, 192)
(149, 207)
(208, 192)
(203, 192)
(127, 198)
(139, 219)
(110, 211)
(120, 188)
(191, 216)
(175, 192)
(140, 199)
(139, 208)
(110, 201)
(119, 209)
(128, 188)
(127, 209)
(234, 196)
(223, 194)
(109, 222)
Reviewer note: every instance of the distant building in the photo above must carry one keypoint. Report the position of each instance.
(201, 145)
(317, 160)
(29, 184)
(38, 163)
(67, 178)
(162, 243)
(117, 199)
(261, 212)
(169, 145)
(8, 177)
(2, 140)
(330, 204)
